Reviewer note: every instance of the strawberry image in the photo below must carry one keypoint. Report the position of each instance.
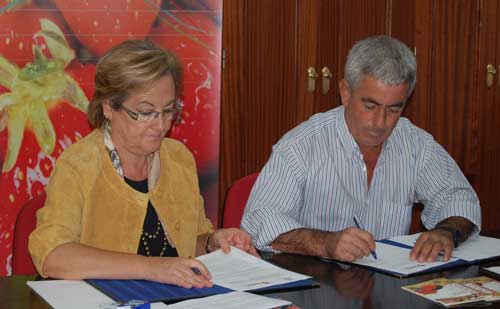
(18, 24)
(195, 37)
(107, 23)
(42, 111)
(48, 53)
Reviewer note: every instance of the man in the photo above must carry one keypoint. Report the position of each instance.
(362, 160)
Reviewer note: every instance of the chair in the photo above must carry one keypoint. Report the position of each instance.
(22, 264)
(236, 199)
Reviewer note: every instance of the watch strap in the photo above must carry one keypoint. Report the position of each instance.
(457, 236)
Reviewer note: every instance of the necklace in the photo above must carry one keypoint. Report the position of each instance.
(146, 237)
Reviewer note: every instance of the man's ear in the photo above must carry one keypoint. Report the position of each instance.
(345, 92)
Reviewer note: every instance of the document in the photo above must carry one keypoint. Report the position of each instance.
(396, 260)
(477, 248)
(74, 294)
(241, 271)
(240, 300)
(495, 269)
(237, 270)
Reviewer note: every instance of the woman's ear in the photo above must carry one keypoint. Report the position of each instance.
(107, 110)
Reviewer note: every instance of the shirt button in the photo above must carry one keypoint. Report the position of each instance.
(364, 169)
(177, 226)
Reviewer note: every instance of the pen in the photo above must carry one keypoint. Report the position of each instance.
(360, 226)
(196, 270)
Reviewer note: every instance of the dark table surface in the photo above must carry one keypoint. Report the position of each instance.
(341, 286)
(344, 286)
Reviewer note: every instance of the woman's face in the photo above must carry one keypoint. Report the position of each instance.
(143, 136)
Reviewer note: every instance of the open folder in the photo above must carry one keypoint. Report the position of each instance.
(394, 256)
(236, 271)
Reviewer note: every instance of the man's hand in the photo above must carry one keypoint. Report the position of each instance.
(349, 244)
(431, 244)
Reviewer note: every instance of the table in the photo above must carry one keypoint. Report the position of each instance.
(341, 286)
(344, 286)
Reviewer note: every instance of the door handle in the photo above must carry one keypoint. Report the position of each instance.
(327, 76)
(311, 79)
(490, 73)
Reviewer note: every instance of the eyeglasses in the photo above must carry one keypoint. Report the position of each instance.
(169, 113)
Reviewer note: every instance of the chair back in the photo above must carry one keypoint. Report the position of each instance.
(22, 264)
(236, 199)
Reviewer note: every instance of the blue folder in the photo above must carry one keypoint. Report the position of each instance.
(126, 290)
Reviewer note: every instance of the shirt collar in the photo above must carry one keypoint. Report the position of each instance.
(345, 137)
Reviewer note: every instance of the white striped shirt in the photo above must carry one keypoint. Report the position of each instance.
(316, 178)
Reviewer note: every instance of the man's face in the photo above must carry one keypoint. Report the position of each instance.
(372, 109)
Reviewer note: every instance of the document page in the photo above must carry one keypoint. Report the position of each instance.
(494, 269)
(241, 271)
(240, 300)
(74, 294)
(396, 259)
(477, 248)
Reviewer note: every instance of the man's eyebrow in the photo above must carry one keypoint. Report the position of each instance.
(370, 100)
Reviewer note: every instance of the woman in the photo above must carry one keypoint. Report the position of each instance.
(123, 202)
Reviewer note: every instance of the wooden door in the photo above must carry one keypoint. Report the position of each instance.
(268, 47)
(259, 102)
(486, 158)
(339, 24)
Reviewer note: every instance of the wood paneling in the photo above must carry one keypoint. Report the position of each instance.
(453, 64)
(259, 83)
(487, 152)
(270, 44)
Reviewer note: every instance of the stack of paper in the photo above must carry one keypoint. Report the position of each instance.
(240, 300)
(241, 271)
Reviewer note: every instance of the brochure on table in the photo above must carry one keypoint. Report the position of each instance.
(454, 292)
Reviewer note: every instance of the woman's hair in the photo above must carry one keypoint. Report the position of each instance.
(383, 58)
(130, 67)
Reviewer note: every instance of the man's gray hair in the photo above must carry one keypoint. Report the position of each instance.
(383, 58)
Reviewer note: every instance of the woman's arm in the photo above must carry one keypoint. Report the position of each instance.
(75, 261)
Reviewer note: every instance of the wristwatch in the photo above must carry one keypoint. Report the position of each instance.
(457, 236)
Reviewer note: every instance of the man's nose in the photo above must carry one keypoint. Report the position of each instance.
(380, 118)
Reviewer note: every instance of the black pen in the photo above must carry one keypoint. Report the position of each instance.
(360, 226)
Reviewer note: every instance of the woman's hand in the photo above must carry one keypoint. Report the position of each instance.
(224, 238)
(187, 273)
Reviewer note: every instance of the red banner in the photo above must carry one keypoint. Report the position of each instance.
(44, 90)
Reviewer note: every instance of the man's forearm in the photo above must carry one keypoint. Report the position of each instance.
(461, 224)
(303, 241)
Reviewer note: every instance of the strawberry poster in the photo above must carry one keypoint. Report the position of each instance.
(48, 53)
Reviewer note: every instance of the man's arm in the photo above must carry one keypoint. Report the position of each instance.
(348, 245)
(451, 205)
(442, 238)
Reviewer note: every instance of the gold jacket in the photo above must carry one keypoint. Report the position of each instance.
(89, 203)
